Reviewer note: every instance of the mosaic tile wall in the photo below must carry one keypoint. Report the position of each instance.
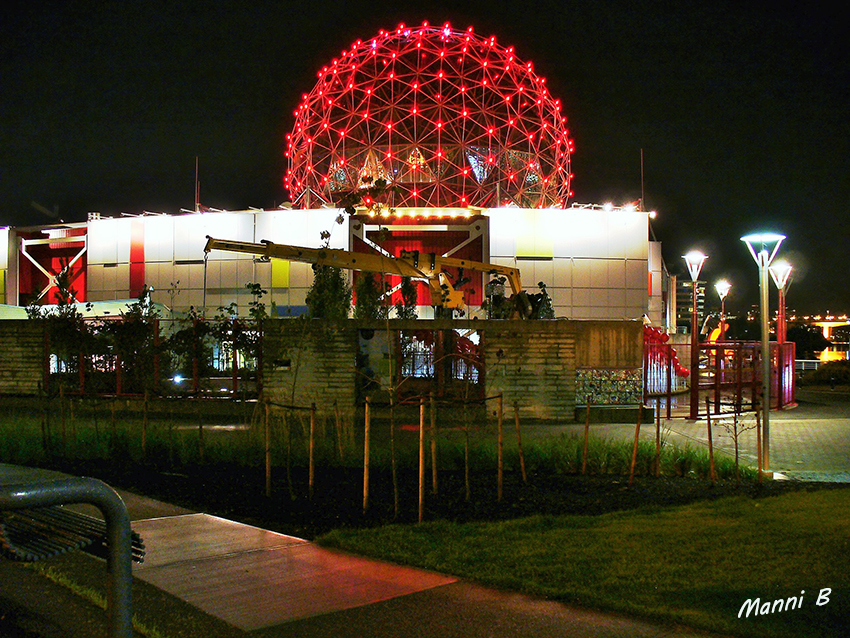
(609, 387)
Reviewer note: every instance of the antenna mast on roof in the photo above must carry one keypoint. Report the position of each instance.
(197, 188)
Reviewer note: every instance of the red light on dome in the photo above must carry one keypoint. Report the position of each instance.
(439, 131)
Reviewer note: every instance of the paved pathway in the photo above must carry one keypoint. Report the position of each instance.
(278, 586)
(808, 442)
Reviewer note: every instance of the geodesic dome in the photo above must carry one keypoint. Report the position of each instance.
(445, 117)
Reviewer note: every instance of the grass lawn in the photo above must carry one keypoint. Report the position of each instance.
(694, 564)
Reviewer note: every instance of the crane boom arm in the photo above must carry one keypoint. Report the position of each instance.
(337, 258)
(429, 267)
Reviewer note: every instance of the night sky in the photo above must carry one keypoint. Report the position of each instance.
(740, 108)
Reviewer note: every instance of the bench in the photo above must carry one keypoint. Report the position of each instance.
(37, 534)
(33, 526)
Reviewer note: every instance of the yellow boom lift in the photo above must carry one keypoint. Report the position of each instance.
(429, 267)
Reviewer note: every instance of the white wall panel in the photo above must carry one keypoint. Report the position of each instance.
(614, 299)
(300, 275)
(502, 236)
(616, 273)
(228, 273)
(582, 297)
(563, 273)
(159, 238)
(190, 232)
(598, 272)
(588, 235)
(637, 275)
(244, 272)
(302, 227)
(5, 248)
(581, 273)
(94, 278)
(263, 275)
(195, 276)
(109, 241)
(544, 271)
(636, 301)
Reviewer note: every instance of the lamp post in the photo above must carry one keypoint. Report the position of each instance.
(722, 287)
(763, 248)
(780, 271)
(694, 259)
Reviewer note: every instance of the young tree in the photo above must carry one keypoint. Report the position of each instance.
(329, 296)
(133, 340)
(369, 301)
(68, 334)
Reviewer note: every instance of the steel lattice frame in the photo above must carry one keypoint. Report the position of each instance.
(447, 117)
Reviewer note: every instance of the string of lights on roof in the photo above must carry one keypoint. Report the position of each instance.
(448, 118)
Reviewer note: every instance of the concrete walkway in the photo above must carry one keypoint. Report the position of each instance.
(273, 585)
(808, 442)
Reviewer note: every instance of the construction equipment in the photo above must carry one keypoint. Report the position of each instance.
(429, 267)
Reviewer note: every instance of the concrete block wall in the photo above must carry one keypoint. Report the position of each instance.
(535, 363)
(21, 356)
(310, 361)
(543, 365)
(532, 363)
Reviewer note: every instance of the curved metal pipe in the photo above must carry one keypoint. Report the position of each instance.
(118, 534)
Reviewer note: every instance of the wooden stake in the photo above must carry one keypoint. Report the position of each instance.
(635, 449)
(519, 443)
(200, 432)
(586, 436)
(712, 474)
(758, 444)
(393, 463)
(735, 439)
(501, 461)
(433, 445)
(145, 425)
(657, 439)
(338, 430)
(268, 448)
(44, 439)
(62, 414)
(312, 468)
(421, 458)
(467, 488)
(287, 416)
(366, 456)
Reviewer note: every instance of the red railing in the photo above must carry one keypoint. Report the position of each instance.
(729, 374)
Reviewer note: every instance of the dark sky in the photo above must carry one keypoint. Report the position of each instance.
(741, 110)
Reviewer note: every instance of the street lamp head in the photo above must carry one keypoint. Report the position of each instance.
(763, 247)
(722, 287)
(780, 271)
(694, 259)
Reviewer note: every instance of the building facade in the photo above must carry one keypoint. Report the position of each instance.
(596, 262)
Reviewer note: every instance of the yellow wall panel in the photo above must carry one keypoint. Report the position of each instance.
(280, 273)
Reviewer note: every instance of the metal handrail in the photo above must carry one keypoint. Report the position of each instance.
(118, 534)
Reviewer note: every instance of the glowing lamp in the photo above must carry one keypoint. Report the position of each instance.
(780, 271)
(763, 248)
(722, 287)
(694, 260)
